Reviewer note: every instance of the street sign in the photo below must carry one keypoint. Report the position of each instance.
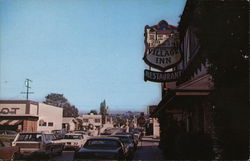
(162, 46)
(154, 76)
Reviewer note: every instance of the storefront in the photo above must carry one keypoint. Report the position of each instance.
(22, 115)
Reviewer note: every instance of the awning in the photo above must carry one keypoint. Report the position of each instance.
(179, 98)
(10, 122)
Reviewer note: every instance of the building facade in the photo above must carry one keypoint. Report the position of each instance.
(29, 116)
(91, 120)
(203, 115)
(71, 124)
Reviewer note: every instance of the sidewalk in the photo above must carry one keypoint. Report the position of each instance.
(148, 150)
(150, 138)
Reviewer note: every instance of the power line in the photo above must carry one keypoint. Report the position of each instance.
(27, 85)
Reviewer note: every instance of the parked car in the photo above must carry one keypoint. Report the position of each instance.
(8, 132)
(85, 133)
(73, 141)
(59, 134)
(37, 144)
(128, 143)
(138, 131)
(134, 138)
(102, 148)
(8, 152)
(7, 136)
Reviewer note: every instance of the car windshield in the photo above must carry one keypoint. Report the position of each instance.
(30, 137)
(101, 144)
(72, 137)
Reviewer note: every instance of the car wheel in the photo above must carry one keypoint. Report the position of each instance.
(52, 153)
(13, 157)
(60, 152)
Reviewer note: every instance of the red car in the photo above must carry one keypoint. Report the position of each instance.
(8, 152)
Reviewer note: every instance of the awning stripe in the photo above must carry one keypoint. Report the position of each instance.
(2, 122)
(10, 122)
(15, 122)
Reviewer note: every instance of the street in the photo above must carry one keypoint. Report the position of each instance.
(147, 150)
(66, 156)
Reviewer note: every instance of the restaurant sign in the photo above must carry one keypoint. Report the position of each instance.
(161, 76)
(162, 46)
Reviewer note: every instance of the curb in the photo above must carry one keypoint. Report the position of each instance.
(151, 140)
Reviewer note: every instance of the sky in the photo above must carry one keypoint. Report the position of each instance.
(88, 50)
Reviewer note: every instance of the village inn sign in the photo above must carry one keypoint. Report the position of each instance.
(162, 52)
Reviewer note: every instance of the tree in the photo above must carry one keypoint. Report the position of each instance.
(103, 110)
(93, 111)
(59, 100)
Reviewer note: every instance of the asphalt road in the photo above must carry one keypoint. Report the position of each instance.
(66, 156)
(147, 150)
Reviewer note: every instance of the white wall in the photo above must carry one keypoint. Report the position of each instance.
(50, 113)
(156, 128)
(33, 109)
(91, 120)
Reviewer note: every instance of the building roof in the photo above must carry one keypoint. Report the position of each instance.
(17, 102)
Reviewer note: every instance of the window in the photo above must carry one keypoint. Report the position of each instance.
(49, 137)
(73, 137)
(85, 120)
(50, 124)
(97, 120)
(42, 123)
(160, 37)
(102, 143)
(151, 37)
(30, 137)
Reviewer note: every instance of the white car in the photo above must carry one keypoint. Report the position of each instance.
(73, 140)
(33, 144)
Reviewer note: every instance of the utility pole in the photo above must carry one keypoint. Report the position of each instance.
(27, 85)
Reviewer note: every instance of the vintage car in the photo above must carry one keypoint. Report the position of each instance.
(8, 152)
(99, 148)
(134, 136)
(73, 141)
(37, 144)
(81, 132)
(128, 143)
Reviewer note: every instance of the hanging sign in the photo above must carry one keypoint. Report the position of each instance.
(161, 76)
(162, 46)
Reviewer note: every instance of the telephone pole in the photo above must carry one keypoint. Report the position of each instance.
(27, 85)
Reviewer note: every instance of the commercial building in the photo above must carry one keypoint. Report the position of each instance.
(29, 116)
(89, 120)
(70, 124)
(204, 114)
(154, 122)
